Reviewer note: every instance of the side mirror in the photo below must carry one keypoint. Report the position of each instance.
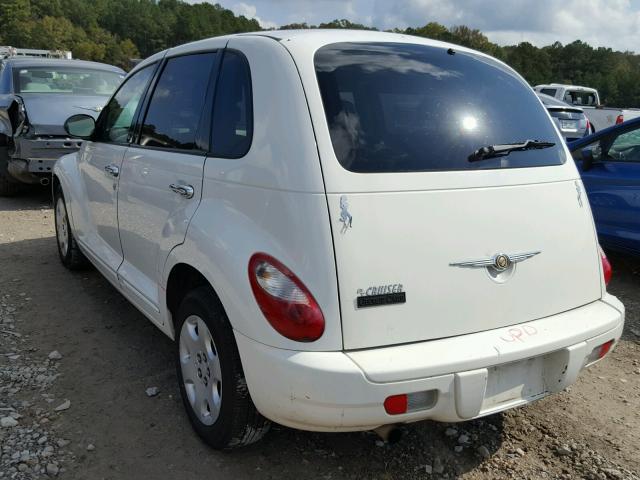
(587, 159)
(80, 126)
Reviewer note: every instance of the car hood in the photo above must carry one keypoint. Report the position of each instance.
(47, 112)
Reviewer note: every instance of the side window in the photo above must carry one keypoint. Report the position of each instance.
(176, 105)
(232, 126)
(625, 147)
(549, 91)
(621, 148)
(117, 119)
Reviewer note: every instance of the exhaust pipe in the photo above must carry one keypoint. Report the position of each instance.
(389, 433)
(44, 181)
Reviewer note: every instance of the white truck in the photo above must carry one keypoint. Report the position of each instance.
(587, 98)
(8, 52)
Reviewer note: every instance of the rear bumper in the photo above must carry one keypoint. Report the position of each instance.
(34, 157)
(469, 376)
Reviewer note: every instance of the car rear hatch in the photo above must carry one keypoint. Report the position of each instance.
(429, 244)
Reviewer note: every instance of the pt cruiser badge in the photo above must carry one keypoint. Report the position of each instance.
(499, 262)
(381, 295)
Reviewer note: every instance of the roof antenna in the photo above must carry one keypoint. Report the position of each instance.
(451, 51)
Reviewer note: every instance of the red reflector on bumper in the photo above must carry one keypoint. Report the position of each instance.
(604, 348)
(396, 404)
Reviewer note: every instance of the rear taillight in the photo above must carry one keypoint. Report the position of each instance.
(607, 271)
(284, 300)
(588, 129)
(619, 119)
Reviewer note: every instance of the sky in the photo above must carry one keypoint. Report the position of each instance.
(608, 23)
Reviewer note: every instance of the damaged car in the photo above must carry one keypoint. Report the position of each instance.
(36, 97)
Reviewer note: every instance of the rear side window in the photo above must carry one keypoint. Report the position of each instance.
(176, 105)
(549, 91)
(233, 111)
(395, 107)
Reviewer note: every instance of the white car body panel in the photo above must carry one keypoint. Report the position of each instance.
(283, 198)
(152, 218)
(454, 226)
(99, 234)
(337, 391)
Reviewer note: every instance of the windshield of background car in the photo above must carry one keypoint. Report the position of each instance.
(396, 107)
(68, 80)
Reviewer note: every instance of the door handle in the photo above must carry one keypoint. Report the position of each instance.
(185, 190)
(112, 170)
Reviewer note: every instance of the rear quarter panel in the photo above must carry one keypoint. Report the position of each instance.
(271, 200)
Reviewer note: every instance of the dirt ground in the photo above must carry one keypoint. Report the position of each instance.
(111, 429)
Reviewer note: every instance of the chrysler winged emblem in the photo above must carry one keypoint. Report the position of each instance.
(499, 262)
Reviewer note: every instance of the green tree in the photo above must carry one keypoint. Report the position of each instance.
(15, 19)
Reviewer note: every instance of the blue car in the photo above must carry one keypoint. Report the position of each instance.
(609, 162)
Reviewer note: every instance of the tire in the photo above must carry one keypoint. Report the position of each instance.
(205, 350)
(8, 187)
(70, 254)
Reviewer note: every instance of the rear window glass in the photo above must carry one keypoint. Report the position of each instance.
(395, 107)
(580, 98)
(67, 80)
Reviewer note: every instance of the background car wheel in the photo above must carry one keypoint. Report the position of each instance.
(68, 249)
(210, 375)
(8, 188)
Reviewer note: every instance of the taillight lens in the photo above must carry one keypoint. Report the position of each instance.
(284, 300)
(607, 271)
(588, 128)
(619, 119)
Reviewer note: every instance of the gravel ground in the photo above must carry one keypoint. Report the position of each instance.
(77, 362)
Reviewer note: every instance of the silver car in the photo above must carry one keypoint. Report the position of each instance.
(570, 120)
(36, 96)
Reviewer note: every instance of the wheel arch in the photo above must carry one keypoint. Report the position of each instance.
(66, 176)
(182, 279)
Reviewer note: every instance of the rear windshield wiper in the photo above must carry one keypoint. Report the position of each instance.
(492, 151)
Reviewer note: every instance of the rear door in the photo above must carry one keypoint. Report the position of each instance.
(613, 185)
(161, 179)
(429, 244)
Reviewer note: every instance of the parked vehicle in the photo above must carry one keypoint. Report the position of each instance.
(8, 51)
(36, 96)
(571, 121)
(609, 162)
(338, 232)
(588, 99)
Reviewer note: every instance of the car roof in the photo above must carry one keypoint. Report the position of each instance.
(22, 62)
(306, 41)
(318, 37)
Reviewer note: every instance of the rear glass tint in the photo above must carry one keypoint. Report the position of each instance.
(396, 107)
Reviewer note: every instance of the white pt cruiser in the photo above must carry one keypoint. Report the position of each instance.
(341, 231)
